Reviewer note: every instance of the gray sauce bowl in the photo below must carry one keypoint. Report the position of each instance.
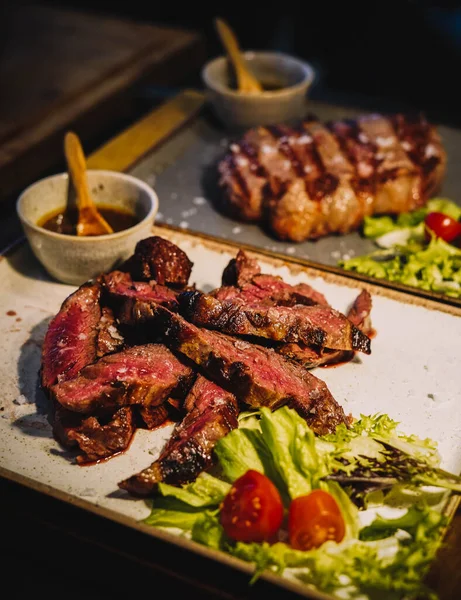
(237, 110)
(71, 259)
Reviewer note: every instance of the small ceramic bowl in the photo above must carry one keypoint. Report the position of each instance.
(290, 77)
(72, 259)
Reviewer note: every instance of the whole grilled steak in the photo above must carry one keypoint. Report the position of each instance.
(70, 340)
(139, 375)
(159, 259)
(256, 375)
(317, 324)
(211, 414)
(317, 179)
(98, 437)
(311, 357)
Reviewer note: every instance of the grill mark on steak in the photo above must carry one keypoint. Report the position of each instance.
(317, 324)
(256, 375)
(158, 259)
(309, 357)
(70, 340)
(139, 375)
(352, 169)
(211, 413)
(98, 437)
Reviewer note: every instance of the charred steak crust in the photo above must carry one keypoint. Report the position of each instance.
(139, 375)
(211, 413)
(70, 340)
(314, 179)
(158, 259)
(98, 437)
(318, 325)
(256, 375)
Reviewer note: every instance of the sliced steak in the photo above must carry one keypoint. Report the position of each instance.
(97, 437)
(109, 338)
(256, 375)
(154, 416)
(212, 413)
(317, 324)
(70, 340)
(139, 375)
(311, 357)
(240, 270)
(119, 285)
(156, 258)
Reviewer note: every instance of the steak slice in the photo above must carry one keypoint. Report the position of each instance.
(139, 375)
(97, 437)
(212, 413)
(156, 258)
(256, 375)
(240, 270)
(154, 416)
(120, 285)
(317, 324)
(109, 338)
(358, 314)
(70, 340)
(242, 277)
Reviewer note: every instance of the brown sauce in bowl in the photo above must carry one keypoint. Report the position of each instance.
(65, 221)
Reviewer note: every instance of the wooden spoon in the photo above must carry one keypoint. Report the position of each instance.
(246, 81)
(90, 220)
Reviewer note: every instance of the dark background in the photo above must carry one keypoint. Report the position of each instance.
(403, 54)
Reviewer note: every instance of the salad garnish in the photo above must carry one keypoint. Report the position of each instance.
(362, 509)
(421, 248)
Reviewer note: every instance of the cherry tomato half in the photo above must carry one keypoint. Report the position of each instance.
(443, 226)
(252, 511)
(314, 519)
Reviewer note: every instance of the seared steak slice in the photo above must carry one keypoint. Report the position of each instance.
(240, 270)
(311, 357)
(109, 337)
(98, 437)
(158, 259)
(313, 180)
(120, 285)
(70, 341)
(242, 278)
(154, 416)
(256, 375)
(139, 375)
(212, 413)
(317, 324)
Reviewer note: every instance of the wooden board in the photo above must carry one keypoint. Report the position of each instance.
(63, 68)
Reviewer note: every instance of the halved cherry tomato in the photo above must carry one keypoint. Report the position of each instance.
(443, 226)
(314, 519)
(252, 511)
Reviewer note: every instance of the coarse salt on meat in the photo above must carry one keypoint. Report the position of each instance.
(385, 142)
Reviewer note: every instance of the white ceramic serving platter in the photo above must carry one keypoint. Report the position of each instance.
(412, 374)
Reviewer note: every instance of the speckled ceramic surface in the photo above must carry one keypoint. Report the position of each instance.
(412, 374)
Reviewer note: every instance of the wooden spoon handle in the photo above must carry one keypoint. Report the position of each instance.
(246, 82)
(76, 164)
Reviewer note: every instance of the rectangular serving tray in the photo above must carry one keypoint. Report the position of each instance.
(412, 374)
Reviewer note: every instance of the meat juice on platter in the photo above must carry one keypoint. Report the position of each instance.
(317, 179)
(142, 346)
